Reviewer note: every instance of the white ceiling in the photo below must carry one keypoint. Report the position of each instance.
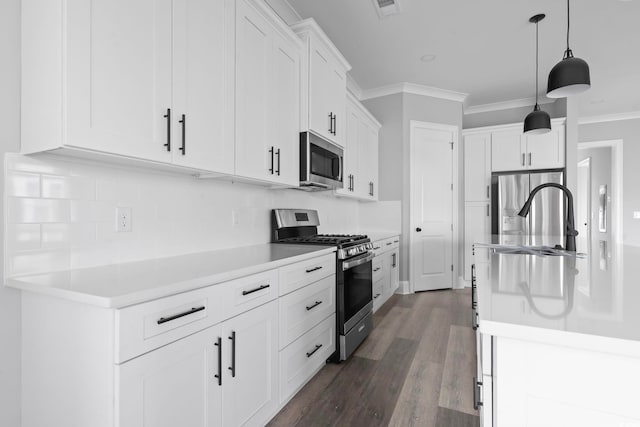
(486, 48)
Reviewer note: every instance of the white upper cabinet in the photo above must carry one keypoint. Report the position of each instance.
(360, 174)
(267, 97)
(324, 84)
(512, 150)
(123, 81)
(477, 167)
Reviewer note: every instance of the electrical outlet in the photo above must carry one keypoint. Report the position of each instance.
(636, 214)
(124, 220)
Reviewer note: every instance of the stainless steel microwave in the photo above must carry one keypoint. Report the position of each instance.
(320, 163)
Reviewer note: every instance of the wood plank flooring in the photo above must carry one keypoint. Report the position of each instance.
(415, 369)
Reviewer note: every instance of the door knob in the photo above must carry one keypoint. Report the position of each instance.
(418, 229)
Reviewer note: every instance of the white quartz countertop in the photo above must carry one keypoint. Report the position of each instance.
(120, 285)
(597, 295)
(376, 235)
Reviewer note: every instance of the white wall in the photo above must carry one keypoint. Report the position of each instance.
(9, 141)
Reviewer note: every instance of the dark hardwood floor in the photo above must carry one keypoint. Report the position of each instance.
(415, 369)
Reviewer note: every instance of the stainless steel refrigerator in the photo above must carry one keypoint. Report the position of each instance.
(545, 224)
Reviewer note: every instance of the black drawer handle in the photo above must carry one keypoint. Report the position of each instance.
(376, 269)
(376, 248)
(389, 243)
(310, 307)
(259, 288)
(396, 241)
(219, 375)
(376, 296)
(309, 354)
(314, 269)
(179, 315)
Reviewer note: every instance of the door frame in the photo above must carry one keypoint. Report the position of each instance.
(455, 211)
(617, 160)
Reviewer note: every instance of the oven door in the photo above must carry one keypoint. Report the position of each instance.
(354, 291)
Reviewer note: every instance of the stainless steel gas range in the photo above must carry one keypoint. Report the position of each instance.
(354, 300)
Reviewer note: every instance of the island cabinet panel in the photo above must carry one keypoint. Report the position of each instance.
(540, 384)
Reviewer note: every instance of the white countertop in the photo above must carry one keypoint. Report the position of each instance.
(120, 285)
(561, 298)
(376, 235)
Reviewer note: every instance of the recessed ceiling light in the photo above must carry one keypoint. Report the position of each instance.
(427, 58)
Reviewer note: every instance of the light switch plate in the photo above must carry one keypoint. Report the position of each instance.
(636, 214)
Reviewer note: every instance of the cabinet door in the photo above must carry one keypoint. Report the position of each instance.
(174, 385)
(508, 151)
(251, 378)
(319, 92)
(371, 136)
(337, 92)
(254, 157)
(201, 89)
(284, 109)
(362, 177)
(351, 149)
(546, 151)
(395, 270)
(476, 227)
(477, 167)
(118, 76)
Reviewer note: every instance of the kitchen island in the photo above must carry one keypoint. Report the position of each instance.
(558, 337)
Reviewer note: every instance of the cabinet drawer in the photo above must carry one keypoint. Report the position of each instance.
(295, 276)
(302, 358)
(378, 290)
(384, 245)
(250, 292)
(144, 327)
(378, 269)
(303, 309)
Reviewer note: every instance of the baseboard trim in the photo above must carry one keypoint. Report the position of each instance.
(404, 288)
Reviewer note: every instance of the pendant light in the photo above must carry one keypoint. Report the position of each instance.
(569, 76)
(537, 121)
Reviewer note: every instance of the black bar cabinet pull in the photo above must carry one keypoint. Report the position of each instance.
(278, 155)
(232, 368)
(309, 354)
(389, 243)
(314, 269)
(184, 132)
(168, 117)
(331, 123)
(334, 124)
(376, 269)
(271, 152)
(259, 288)
(179, 315)
(376, 296)
(310, 307)
(219, 375)
(476, 394)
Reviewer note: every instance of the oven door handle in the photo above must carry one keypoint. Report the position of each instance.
(346, 265)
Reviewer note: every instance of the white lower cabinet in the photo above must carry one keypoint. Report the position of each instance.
(203, 358)
(386, 271)
(250, 367)
(172, 386)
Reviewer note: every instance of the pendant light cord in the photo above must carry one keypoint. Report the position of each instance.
(568, 24)
(536, 65)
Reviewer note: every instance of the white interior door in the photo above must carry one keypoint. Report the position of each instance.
(431, 206)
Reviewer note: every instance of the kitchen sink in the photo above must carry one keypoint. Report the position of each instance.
(531, 250)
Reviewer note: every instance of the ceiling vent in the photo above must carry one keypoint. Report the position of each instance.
(386, 7)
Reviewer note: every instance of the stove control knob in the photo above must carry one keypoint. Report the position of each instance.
(351, 251)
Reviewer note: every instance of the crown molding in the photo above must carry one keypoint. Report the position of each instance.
(285, 11)
(631, 115)
(507, 105)
(354, 88)
(308, 27)
(414, 89)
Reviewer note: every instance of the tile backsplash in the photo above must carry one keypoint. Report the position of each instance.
(61, 213)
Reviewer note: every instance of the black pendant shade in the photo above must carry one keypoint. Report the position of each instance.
(569, 76)
(537, 122)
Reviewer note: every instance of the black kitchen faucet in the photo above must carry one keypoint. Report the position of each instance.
(570, 240)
